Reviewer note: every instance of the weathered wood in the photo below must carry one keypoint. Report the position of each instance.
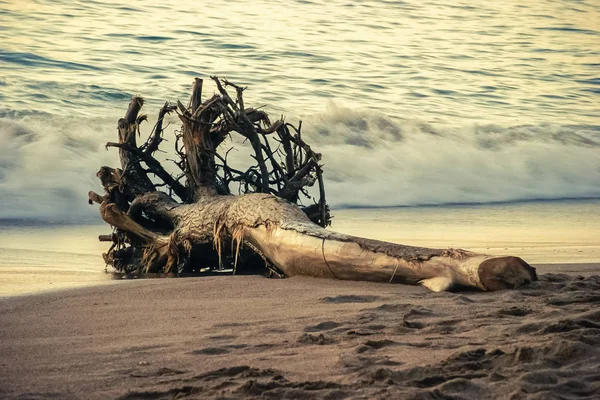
(155, 233)
(134, 178)
(108, 238)
(94, 197)
(196, 99)
(323, 254)
(156, 136)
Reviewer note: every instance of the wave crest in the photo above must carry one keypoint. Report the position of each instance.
(372, 160)
(48, 163)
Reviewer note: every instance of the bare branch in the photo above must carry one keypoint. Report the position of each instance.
(155, 167)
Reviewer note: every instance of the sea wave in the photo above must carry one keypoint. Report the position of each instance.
(371, 160)
(48, 163)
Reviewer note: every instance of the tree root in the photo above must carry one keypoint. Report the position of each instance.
(192, 221)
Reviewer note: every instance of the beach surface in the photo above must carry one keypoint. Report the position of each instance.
(252, 337)
(38, 258)
(464, 125)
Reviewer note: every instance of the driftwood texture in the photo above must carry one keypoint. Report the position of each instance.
(193, 223)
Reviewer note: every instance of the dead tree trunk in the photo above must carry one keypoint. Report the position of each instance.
(198, 225)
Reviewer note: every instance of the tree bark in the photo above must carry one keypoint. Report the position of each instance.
(211, 229)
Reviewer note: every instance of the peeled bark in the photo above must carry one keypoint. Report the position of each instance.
(210, 229)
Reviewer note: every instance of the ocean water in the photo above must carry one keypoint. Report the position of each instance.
(410, 102)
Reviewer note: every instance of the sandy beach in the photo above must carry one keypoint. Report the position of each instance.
(251, 337)
(443, 125)
(69, 331)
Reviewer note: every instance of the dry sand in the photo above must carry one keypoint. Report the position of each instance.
(301, 338)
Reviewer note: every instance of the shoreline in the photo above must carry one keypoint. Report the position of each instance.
(540, 233)
(247, 336)
(575, 268)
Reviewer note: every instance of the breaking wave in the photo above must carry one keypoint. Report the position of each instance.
(48, 163)
(371, 160)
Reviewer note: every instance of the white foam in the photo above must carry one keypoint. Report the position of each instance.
(373, 161)
(48, 164)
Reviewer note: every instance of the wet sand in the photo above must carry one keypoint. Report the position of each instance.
(251, 337)
(38, 258)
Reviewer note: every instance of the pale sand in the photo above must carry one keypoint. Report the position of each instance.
(29, 268)
(251, 337)
(34, 259)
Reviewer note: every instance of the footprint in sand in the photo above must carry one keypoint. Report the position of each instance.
(371, 345)
(351, 298)
(307, 338)
(323, 326)
(211, 351)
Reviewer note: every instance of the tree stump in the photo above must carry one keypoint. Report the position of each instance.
(194, 223)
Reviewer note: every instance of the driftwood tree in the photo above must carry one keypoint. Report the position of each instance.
(192, 223)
